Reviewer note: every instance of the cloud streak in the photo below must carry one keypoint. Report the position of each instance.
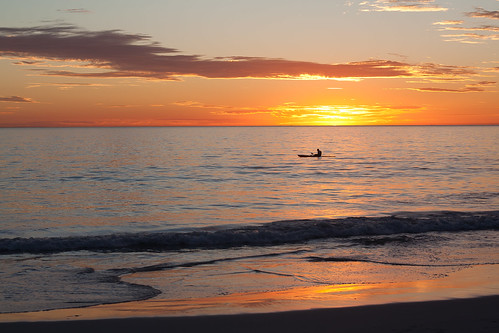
(292, 113)
(402, 6)
(222, 109)
(480, 12)
(475, 36)
(486, 31)
(474, 87)
(74, 11)
(449, 22)
(15, 99)
(65, 85)
(448, 90)
(116, 54)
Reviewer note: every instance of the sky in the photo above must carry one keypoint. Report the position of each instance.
(67, 63)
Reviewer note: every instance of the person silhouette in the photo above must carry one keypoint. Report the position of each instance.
(318, 154)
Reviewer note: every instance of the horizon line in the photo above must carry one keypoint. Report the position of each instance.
(159, 126)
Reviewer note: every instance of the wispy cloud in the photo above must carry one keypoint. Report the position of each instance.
(448, 90)
(292, 113)
(470, 37)
(16, 99)
(402, 6)
(122, 106)
(28, 62)
(74, 11)
(473, 87)
(480, 12)
(480, 28)
(66, 85)
(486, 31)
(448, 22)
(222, 109)
(116, 54)
(483, 83)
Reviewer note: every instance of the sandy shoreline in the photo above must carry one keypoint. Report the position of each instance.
(466, 283)
(466, 301)
(459, 315)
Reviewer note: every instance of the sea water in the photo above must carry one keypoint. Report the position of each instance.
(92, 216)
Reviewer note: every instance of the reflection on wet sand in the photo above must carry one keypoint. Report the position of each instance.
(471, 282)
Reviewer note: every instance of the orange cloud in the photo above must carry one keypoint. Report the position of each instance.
(222, 109)
(481, 28)
(297, 114)
(448, 22)
(66, 85)
(463, 90)
(474, 87)
(470, 38)
(484, 83)
(293, 114)
(402, 6)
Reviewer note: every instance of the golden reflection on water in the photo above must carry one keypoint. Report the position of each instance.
(125, 180)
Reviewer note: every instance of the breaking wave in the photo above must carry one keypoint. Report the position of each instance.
(275, 233)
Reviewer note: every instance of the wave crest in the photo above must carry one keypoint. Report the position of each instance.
(274, 233)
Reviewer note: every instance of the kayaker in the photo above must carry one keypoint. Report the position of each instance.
(318, 154)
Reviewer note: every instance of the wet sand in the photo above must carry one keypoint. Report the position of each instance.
(459, 315)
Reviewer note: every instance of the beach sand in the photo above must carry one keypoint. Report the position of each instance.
(466, 301)
(459, 315)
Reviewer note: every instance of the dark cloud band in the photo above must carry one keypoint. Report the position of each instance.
(15, 99)
(119, 54)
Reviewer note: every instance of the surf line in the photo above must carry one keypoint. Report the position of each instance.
(342, 259)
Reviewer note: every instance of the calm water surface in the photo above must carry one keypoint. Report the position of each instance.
(101, 180)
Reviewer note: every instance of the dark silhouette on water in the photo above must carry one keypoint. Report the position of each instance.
(318, 154)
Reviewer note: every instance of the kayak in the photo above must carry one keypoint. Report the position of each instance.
(315, 155)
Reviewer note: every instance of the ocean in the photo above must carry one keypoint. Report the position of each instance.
(92, 216)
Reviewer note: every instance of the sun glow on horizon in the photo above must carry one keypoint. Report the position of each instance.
(438, 69)
(335, 115)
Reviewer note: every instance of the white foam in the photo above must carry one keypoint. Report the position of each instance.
(274, 233)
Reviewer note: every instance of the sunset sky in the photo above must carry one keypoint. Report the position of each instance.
(258, 62)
